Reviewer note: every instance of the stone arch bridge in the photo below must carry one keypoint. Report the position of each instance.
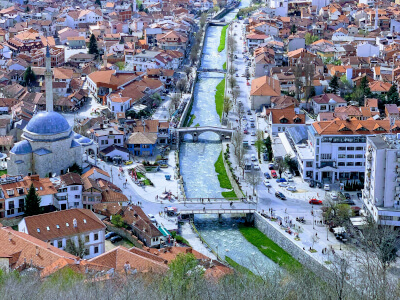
(196, 131)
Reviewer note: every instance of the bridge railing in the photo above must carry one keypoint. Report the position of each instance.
(216, 211)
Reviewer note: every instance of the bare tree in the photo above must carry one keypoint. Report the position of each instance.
(237, 141)
(232, 82)
(188, 71)
(235, 94)
(253, 178)
(203, 19)
(259, 143)
(227, 105)
(309, 72)
(181, 85)
(281, 166)
(232, 46)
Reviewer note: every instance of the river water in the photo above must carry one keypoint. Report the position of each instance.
(197, 163)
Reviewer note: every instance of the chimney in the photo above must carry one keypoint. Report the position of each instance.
(75, 222)
(10, 236)
(189, 250)
(37, 250)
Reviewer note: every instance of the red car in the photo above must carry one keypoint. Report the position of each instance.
(273, 174)
(315, 201)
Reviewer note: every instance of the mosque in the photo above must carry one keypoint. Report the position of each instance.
(48, 146)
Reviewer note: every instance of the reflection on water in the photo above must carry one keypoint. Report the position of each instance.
(225, 238)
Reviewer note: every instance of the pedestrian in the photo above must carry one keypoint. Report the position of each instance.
(316, 234)
(204, 208)
(285, 210)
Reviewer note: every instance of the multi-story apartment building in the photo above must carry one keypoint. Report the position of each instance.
(69, 191)
(106, 136)
(58, 227)
(335, 150)
(381, 194)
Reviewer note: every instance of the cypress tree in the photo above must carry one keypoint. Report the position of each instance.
(93, 46)
(32, 202)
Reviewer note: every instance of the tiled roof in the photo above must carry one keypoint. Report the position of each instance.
(145, 138)
(58, 224)
(71, 179)
(91, 171)
(325, 98)
(265, 86)
(121, 259)
(43, 186)
(350, 127)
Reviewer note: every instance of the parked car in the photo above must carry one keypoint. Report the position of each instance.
(273, 174)
(128, 162)
(256, 166)
(110, 235)
(359, 195)
(115, 239)
(347, 196)
(253, 142)
(266, 174)
(249, 112)
(291, 188)
(327, 187)
(279, 195)
(281, 179)
(312, 183)
(253, 133)
(348, 201)
(251, 119)
(283, 184)
(252, 125)
(267, 183)
(152, 218)
(253, 157)
(271, 166)
(245, 131)
(290, 179)
(315, 201)
(334, 196)
(265, 157)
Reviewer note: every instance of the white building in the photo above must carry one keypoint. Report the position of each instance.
(327, 103)
(142, 61)
(76, 17)
(367, 50)
(335, 150)
(58, 227)
(381, 194)
(106, 135)
(69, 191)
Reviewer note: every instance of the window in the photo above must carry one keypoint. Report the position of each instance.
(87, 252)
(87, 238)
(350, 155)
(77, 196)
(21, 203)
(309, 164)
(342, 148)
(341, 164)
(389, 218)
(326, 156)
(10, 192)
(323, 107)
(350, 148)
(359, 155)
(359, 148)
(358, 164)
(350, 164)
(76, 204)
(341, 155)
(73, 188)
(59, 244)
(96, 236)
(96, 249)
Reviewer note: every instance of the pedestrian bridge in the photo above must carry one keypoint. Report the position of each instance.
(196, 131)
(216, 211)
(217, 23)
(203, 70)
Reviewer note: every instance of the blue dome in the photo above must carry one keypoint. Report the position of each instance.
(84, 140)
(47, 123)
(77, 135)
(22, 147)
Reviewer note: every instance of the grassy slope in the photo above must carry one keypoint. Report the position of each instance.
(219, 98)
(239, 268)
(221, 46)
(223, 178)
(269, 248)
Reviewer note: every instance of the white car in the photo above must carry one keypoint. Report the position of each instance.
(251, 119)
(290, 179)
(253, 157)
(267, 183)
(152, 218)
(291, 188)
(253, 134)
(327, 187)
(283, 184)
(256, 166)
(334, 196)
(253, 142)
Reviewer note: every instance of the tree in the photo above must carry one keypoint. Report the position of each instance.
(75, 168)
(393, 95)
(310, 38)
(253, 178)
(203, 19)
(29, 77)
(293, 29)
(237, 141)
(281, 166)
(334, 84)
(268, 145)
(235, 94)
(188, 71)
(309, 72)
(32, 202)
(290, 163)
(364, 85)
(175, 99)
(227, 105)
(298, 74)
(93, 46)
(259, 143)
(232, 82)
(216, 8)
(231, 44)
(117, 221)
(181, 85)
(77, 250)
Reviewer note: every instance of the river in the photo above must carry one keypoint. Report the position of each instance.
(197, 163)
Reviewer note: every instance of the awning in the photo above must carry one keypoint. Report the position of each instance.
(138, 107)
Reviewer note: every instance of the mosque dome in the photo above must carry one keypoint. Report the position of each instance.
(47, 123)
(22, 147)
(84, 140)
(77, 135)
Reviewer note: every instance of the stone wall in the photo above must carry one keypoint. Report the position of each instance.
(295, 250)
(126, 234)
(235, 186)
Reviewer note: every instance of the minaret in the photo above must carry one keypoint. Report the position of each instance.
(49, 81)
(376, 17)
(105, 57)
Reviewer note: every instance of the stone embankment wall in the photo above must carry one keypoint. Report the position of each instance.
(235, 186)
(295, 250)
